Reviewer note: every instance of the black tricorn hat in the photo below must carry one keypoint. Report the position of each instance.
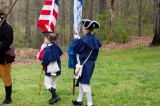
(2, 12)
(90, 24)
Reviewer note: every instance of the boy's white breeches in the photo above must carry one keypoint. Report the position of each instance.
(50, 81)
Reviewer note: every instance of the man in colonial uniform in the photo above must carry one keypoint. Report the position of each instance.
(6, 39)
(87, 47)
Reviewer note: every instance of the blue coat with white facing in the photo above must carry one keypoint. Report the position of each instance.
(83, 47)
(52, 53)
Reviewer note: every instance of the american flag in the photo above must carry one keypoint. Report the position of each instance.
(48, 16)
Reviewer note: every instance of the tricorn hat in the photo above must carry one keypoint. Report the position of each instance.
(2, 12)
(90, 24)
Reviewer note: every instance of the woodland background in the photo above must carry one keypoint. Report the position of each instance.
(119, 19)
(128, 77)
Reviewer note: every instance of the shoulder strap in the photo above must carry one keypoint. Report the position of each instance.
(87, 57)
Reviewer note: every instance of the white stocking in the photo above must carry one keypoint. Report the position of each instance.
(89, 99)
(80, 95)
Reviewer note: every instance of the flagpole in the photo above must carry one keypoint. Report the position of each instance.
(73, 86)
(77, 13)
(49, 29)
(40, 82)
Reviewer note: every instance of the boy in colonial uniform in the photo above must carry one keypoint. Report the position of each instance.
(87, 47)
(52, 53)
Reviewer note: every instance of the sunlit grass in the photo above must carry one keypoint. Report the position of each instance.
(121, 78)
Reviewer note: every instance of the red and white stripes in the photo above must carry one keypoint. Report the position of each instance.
(48, 16)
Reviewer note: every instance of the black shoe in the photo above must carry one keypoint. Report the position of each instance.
(76, 103)
(7, 101)
(58, 98)
(55, 97)
(87, 105)
(54, 100)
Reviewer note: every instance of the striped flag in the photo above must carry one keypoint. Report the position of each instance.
(77, 15)
(48, 16)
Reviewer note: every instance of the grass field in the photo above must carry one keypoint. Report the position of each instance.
(128, 77)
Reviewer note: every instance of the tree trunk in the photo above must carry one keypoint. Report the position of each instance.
(38, 7)
(63, 18)
(97, 8)
(91, 9)
(71, 21)
(27, 24)
(60, 23)
(102, 6)
(11, 17)
(156, 38)
(140, 18)
(85, 9)
(112, 11)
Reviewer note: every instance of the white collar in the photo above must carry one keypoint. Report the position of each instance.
(49, 44)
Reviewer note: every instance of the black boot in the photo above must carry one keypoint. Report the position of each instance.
(55, 97)
(8, 99)
(76, 103)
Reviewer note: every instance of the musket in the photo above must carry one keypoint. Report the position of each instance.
(10, 9)
(40, 83)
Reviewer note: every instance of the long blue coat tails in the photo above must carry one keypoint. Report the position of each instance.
(83, 47)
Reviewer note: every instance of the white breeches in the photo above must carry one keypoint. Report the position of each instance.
(85, 87)
(50, 81)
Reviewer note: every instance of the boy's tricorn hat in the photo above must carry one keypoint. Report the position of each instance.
(90, 24)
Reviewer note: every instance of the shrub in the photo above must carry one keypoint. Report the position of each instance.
(120, 32)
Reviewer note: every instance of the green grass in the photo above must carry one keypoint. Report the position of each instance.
(121, 78)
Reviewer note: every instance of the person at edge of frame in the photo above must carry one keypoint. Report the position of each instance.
(6, 40)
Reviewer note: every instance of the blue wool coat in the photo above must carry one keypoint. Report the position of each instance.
(52, 53)
(72, 56)
(83, 47)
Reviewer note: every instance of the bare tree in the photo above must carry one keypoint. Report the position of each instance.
(62, 23)
(27, 24)
(112, 11)
(156, 38)
(140, 18)
(38, 7)
(37, 34)
(71, 22)
(10, 18)
(85, 9)
(91, 9)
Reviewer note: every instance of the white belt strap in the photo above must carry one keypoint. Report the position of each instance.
(77, 55)
(87, 57)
